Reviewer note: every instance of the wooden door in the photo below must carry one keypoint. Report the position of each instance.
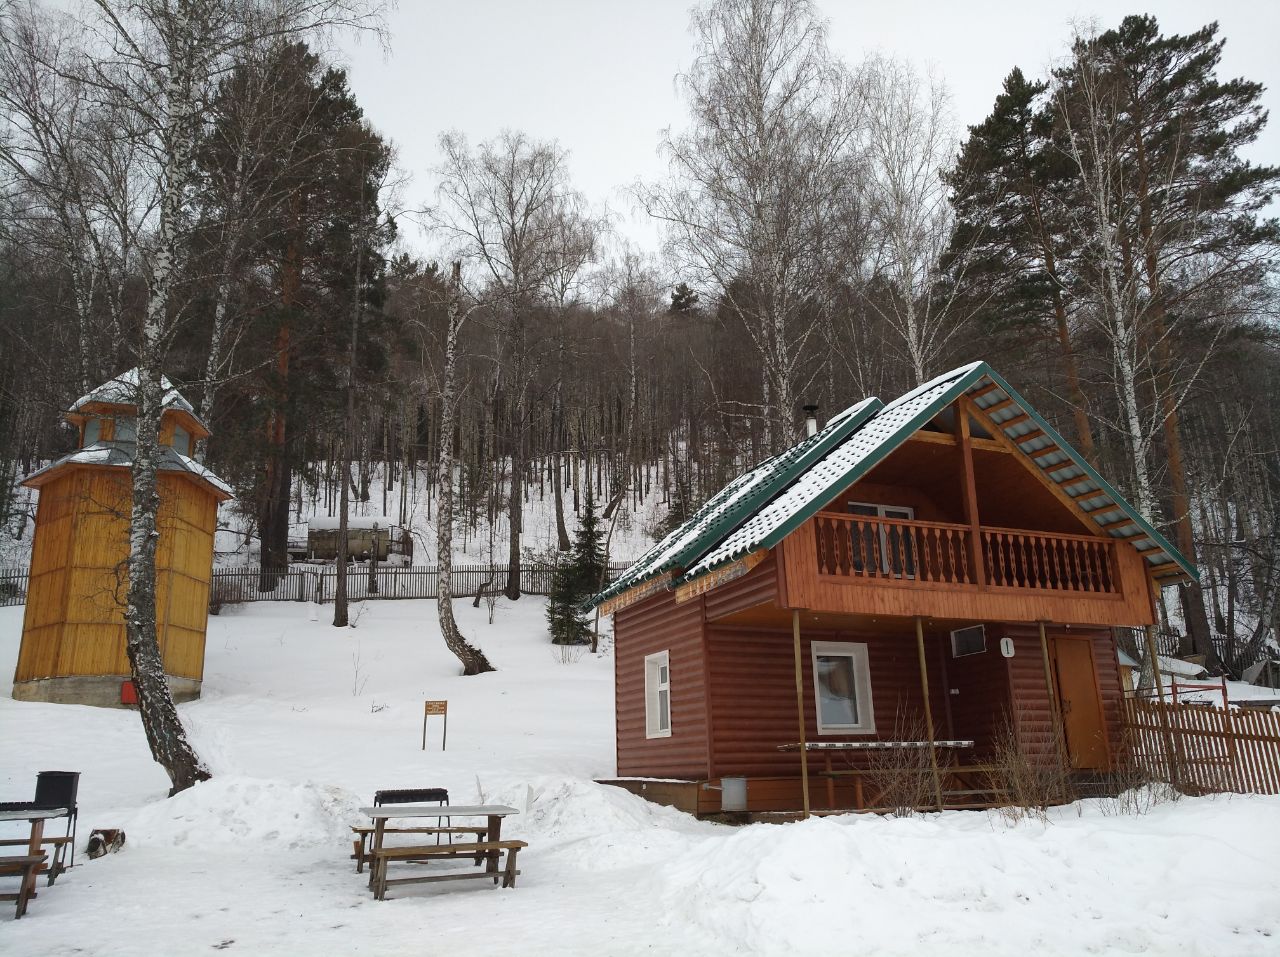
(1080, 703)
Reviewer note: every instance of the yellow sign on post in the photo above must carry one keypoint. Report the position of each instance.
(435, 707)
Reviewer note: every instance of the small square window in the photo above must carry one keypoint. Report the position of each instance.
(657, 695)
(968, 641)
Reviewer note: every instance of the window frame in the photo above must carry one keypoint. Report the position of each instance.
(857, 652)
(653, 687)
(897, 561)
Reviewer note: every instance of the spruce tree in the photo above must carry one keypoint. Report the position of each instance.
(577, 579)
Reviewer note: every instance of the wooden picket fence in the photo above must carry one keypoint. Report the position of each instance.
(1205, 750)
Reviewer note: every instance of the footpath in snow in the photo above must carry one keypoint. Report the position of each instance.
(301, 722)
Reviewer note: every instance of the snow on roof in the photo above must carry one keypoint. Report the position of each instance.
(123, 390)
(828, 476)
(121, 454)
(1181, 669)
(321, 523)
(737, 501)
(197, 469)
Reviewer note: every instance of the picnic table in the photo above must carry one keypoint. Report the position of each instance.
(827, 748)
(29, 865)
(486, 850)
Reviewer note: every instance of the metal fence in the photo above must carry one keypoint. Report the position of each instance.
(236, 584)
(318, 582)
(13, 586)
(1237, 654)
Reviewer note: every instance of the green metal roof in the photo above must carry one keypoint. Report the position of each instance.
(738, 501)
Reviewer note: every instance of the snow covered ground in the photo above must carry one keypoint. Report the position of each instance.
(301, 723)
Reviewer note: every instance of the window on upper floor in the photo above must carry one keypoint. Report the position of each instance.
(883, 546)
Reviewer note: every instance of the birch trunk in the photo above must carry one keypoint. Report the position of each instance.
(473, 659)
(164, 730)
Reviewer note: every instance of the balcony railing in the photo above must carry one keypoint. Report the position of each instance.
(889, 549)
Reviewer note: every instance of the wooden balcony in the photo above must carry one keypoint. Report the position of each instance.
(935, 553)
(866, 565)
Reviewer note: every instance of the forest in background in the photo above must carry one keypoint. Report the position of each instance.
(829, 235)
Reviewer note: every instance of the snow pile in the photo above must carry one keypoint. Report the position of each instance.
(256, 813)
(301, 722)
(967, 883)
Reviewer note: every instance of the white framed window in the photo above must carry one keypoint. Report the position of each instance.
(968, 641)
(657, 695)
(842, 687)
(892, 548)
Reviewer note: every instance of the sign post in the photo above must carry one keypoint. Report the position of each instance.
(435, 707)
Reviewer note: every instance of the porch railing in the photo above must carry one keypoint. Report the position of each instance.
(868, 547)
(1020, 559)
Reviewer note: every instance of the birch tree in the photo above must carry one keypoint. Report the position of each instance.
(473, 659)
(69, 157)
(504, 204)
(910, 142)
(773, 114)
(160, 61)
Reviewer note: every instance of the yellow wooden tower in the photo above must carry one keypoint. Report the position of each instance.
(73, 635)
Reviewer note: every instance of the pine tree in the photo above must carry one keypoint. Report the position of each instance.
(577, 579)
(1010, 188)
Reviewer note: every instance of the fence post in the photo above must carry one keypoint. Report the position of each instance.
(1167, 734)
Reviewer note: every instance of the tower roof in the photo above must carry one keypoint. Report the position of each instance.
(122, 390)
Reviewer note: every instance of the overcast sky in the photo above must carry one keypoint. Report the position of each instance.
(597, 75)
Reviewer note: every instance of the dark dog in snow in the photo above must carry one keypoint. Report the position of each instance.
(105, 841)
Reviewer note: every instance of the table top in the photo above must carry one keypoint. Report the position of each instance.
(34, 814)
(871, 745)
(438, 810)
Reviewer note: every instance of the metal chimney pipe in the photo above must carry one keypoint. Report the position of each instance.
(810, 420)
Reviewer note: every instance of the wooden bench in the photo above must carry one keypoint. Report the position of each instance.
(56, 866)
(26, 867)
(361, 844)
(960, 772)
(481, 850)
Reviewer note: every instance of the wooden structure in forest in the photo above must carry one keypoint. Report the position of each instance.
(73, 633)
(944, 566)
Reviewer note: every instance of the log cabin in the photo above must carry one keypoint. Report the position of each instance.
(946, 565)
(73, 630)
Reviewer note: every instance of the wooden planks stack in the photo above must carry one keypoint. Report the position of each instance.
(1212, 749)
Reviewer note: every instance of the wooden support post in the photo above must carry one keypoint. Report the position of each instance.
(928, 711)
(1055, 709)
(1165, 732)
(978, 570)
(804, 752)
